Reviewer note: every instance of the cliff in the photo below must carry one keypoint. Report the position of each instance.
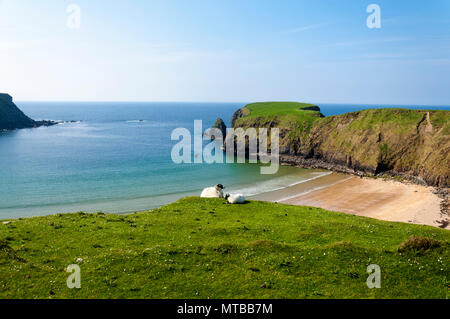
(414, 144)
(11, 117)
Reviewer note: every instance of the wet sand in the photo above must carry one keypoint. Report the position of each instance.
(375, 198)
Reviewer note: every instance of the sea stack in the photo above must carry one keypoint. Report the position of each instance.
(219, 124)
(11, 117)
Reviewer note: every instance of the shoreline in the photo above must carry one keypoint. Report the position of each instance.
(131, 204)
(383, 199)
(300, 188)
(380, 198)
(315, 163)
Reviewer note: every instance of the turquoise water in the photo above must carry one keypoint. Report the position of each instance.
(117, 159)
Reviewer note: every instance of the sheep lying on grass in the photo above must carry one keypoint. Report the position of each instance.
(213, 192)
(235, 198)
(217, 192)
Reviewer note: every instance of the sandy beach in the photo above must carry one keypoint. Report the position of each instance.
(376, 198)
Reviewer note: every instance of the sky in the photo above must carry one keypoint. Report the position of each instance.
(318, 51)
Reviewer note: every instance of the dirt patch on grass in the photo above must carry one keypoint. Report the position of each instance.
(225, 249)
(8, 253)
(418, 243)
(343, 245)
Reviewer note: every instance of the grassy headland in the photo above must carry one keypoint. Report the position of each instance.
(298, 118)
(412, 143)
(205, 248)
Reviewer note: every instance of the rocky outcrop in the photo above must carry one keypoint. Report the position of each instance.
(237, 115)
(314, 108)
(11, 117)
(220, 125)
(411, 144)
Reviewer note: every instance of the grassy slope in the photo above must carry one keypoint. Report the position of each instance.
(291, 118)
(204, 248)
(277, 109)
(280, 114)
(401, 140)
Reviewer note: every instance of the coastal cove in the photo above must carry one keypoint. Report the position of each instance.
(116, 158)
(169, 243)
(225, 158)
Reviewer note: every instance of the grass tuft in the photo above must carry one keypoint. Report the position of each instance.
(418, 244)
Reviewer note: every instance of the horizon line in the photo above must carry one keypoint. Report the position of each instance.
(225, 102)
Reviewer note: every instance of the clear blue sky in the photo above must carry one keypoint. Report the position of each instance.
(210, 50)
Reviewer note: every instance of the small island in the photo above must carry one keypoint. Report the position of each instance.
(12, 118)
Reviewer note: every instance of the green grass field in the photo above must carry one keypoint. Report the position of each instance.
(293, 111)
(205, 248)
(298, 117)
(402, 120)
(261, 109)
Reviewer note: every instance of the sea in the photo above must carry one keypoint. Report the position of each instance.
(116, 157)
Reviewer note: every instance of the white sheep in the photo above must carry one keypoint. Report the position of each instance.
(213, 192)
(235, 198)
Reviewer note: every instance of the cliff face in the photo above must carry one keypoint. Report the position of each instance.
(294, 121)
(11, 117)
(411, 143)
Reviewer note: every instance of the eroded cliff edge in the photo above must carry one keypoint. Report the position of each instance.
(11, 117)
(413, 144)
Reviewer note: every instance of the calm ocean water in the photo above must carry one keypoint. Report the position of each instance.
(112, 161)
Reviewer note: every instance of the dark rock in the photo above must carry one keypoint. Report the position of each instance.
(219, 124)
(238, 114)
(312, 108)
(11, 117)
